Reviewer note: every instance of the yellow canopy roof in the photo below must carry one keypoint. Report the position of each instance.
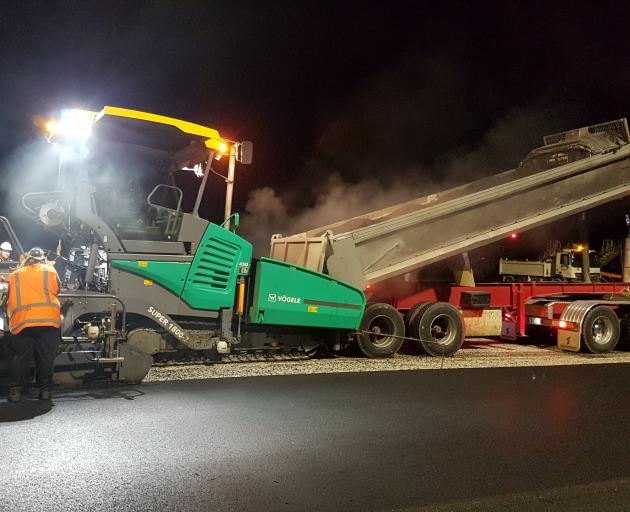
(213, 139)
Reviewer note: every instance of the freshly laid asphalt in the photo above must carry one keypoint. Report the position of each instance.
(544, 438)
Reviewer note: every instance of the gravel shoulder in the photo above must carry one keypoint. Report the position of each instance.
(476, 353)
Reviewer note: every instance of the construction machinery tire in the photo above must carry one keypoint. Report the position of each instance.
(380, 331)
(440, 329)
(600, 330)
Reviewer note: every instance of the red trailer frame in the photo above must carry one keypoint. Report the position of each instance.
(511, 297)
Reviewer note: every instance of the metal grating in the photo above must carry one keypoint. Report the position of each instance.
(618, 127)
(216, 265)
(560, 137)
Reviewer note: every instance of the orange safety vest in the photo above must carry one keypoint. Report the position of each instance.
(33, 301)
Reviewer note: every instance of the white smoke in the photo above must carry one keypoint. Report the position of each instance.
(33, 167)
(502, 147)
(267, 213)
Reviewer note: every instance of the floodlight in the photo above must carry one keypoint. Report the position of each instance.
(73, 124)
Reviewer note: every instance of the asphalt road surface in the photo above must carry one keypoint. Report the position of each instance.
(544, 438)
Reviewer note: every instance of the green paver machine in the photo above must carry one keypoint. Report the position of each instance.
(146, 278)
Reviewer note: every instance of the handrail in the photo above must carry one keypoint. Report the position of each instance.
(163, 185)
(233, 225)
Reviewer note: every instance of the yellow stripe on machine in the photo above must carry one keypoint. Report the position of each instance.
(213, 139)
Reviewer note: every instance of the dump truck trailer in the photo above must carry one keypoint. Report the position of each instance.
(382, 251)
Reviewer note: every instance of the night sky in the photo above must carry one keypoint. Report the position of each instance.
(379, 101)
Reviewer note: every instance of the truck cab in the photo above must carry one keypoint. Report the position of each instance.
(563, 265)
(568, 265)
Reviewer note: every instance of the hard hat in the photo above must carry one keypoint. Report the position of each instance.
(5, 246)
(37, 253)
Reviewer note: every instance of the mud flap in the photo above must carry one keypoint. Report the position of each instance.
(136, 364)
(569, 340)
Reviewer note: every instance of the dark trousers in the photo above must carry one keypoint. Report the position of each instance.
(41, 342)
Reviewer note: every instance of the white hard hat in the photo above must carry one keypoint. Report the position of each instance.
(5, 246)
(37, 253)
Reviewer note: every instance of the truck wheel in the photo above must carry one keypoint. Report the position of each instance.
(415, 310)
(600, 330)
(440, 329)
(624, 335)
(384, 324)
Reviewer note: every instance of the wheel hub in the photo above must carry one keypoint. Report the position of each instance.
(601, 330)
(442, 329)
(381, 328)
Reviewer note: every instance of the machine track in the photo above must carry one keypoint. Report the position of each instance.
(245, 357)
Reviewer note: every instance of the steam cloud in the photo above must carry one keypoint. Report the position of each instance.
(268, 211)
(35, 167)
(32, 167)
(410, 131)
(405, 135)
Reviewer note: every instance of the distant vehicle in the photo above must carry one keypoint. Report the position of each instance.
(564, 265)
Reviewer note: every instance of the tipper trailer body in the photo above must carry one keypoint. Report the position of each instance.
(380, 251)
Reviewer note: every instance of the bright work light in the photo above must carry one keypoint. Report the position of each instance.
(74, 124)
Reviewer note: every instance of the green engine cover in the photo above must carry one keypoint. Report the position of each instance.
(209, 282)
(219, 259)
(285, 294)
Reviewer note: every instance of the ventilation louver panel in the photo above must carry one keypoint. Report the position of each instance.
(216, 265)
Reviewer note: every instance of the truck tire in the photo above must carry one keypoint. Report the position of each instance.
(624, 335)
(415, 310)
(600, 330)
(440, 329)
(384, 324)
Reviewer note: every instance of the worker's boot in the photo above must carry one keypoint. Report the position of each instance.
(15, 394)
(45, 394)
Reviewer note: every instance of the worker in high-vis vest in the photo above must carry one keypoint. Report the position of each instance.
(34, 321)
